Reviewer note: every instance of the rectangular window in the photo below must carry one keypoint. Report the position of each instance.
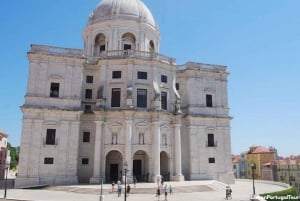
(210, 140)
(177, 86)
(142, 98)
(85, 161)
(209, 100)
(102, 48)
(50, 136)
(88, 93)
(89, 79)
(86, 137)
(127, 47)
(54, 89)
(211, 160)
(142, 75)
(115, 97)
(48, 160)
(164, 79)
(87, 108)
(164, 100)
(116, 74)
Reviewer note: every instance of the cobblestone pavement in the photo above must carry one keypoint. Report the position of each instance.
(183, 191)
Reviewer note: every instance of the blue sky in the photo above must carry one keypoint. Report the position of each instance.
(258, 40)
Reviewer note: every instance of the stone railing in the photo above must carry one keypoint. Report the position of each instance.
(56, 51)
(69, 52)
(131, 54)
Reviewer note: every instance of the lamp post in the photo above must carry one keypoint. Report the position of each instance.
(125, 171)
(6, 172)
(253, 167)
(289, 171)
(101, 195)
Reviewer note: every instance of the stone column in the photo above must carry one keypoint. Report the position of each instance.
(128, 157)
(156, 150)
(96, 179)
(177, 150)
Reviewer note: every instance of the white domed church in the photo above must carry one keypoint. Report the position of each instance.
(117, 101)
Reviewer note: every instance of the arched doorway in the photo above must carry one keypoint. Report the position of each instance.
(164, 166)
(140, 166)
(113, 166)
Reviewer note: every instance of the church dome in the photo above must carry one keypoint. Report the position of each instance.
(122, 9)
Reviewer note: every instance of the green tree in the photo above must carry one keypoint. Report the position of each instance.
(14, 156)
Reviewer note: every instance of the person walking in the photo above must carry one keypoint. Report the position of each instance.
(158, 193)
(170, 189)
(166, 192)
(228, 192)
(134, 181)
(119, 189)
(128, 189)
(113, 187)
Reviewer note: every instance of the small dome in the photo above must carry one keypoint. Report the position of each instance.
(125, 9)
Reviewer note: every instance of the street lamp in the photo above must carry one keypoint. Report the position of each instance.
(253, 167)
(101, 195)
(125, 171)
(6, 172)
(289, 171)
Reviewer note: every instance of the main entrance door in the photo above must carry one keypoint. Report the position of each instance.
(140, 166)
(137, 169)
(114, 171)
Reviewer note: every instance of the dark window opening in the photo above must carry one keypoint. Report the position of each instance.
(209, 100)
(87, 108)
(142, 75)
(102, 48)
(50, 136)
(164, 100)
(54, 89)
(89, 79)
(48, 160)
(177, 86)
(85, 161)
(116, 74)
(164, 79)
(88, 93)
(127, 47)
(86, 136)
(116, 97)
(210, 140)
(142, 98)
(211, 160)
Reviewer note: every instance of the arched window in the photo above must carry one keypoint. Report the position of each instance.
(151, 46)
(114, 138)
(99, 44)
(141, 138)
(128, 41)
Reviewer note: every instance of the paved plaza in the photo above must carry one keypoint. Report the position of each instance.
(182, 191)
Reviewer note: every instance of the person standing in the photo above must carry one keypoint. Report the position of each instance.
(134, 181)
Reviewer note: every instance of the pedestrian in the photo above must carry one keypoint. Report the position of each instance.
(158, 193)
(134, 181)
(128, 189)
(228, 192)
(170, 189)
(166, 192)
(113, 187)
(119, 189)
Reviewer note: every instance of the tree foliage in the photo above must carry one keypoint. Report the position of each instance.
(14, 156)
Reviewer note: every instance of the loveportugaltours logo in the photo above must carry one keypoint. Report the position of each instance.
(284, 197)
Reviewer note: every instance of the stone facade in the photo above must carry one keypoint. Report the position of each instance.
(118, 100)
